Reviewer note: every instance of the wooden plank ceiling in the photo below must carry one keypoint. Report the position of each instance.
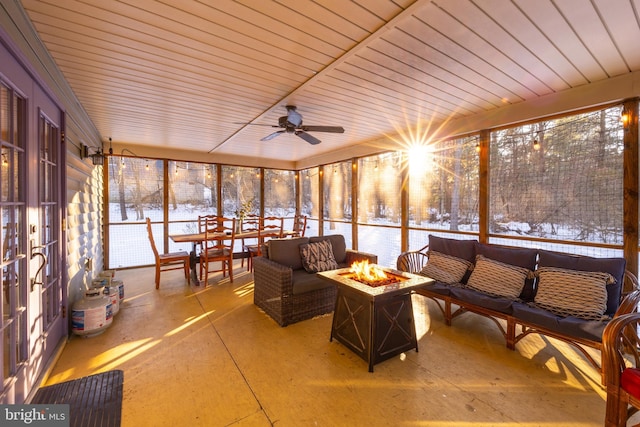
(191, 74)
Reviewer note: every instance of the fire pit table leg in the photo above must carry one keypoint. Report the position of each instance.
(372, 334)
(352, 322)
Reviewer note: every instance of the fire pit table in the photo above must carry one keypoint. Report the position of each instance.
(374, 317)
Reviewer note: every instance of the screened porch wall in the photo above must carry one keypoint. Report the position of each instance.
(555, 184)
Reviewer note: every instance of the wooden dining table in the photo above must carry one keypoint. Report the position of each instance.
(196, 238)
(199, 237)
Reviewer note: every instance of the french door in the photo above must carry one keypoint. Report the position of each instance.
(33, 296)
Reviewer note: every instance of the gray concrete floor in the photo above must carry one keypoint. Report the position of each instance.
(206, 356)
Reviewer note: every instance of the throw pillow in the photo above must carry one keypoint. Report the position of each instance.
(574, 293)
(498, 278)
(318, 256)
(445, 268)
(614, 266)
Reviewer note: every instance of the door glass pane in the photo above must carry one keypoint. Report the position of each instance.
(51, 287)
(4, 113)
(12, 213)
(5, 190)
(6, 341)
(15, 168)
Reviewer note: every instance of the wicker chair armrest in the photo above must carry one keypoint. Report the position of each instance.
(630, 283)
(274, 277)
(413, 261)
(353, 256)
(620, 338)
(629, 304)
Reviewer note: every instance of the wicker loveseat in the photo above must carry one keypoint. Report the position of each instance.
(567, 297)
(286, 291)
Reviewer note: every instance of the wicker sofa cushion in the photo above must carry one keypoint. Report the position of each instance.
(613, 266)
(498, 278)
(287, 251)
(445, 268)
(573, 293)
(318, 256)
(337, 243)
(465, 249)
(302, 282)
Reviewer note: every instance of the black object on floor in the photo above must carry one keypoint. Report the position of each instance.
(95, 400)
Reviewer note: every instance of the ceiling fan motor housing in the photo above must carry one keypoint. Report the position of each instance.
(292, 124)
(284, 123)
(293, 117)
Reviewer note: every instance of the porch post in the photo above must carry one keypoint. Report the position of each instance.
(630, 199)
(483, 199)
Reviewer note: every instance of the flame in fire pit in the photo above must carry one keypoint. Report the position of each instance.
(367, 273)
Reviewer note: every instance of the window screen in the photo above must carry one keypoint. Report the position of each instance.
(560, 179)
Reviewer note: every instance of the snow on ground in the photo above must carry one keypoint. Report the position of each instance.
(129, 245)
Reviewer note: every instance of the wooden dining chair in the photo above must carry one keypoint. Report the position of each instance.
(202, 221)
(299, 225)
(217, 247)
(271, 227)
(170, 261)
(250, 224)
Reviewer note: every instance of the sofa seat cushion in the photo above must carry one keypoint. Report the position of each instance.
(338, 244)
(572, 292)
(465, 249)
(445, 268)
(613, 266)
(571, 326)
(318, 256)
(495, 303)
(305, 282)
(498, 278)
(287, 251)
(439, 288)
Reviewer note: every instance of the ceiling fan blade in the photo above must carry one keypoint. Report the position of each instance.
(308, 137)
(271, 136)
(332, 129)
(255, 124)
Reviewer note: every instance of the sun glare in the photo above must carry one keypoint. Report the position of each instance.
(420, 158)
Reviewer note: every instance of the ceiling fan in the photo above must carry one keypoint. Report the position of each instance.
(292, 123)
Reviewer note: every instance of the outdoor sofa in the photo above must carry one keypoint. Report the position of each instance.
(568, 297)
(285, 283)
